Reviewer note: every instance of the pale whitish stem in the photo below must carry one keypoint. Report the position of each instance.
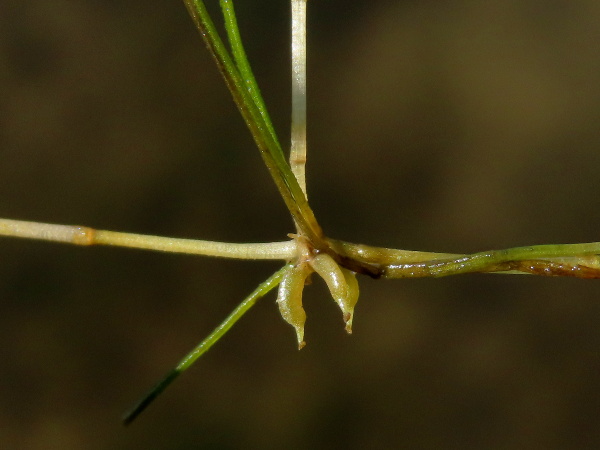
(78, 235)
(298, 132)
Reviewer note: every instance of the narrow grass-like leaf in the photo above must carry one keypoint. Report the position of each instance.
(207, 343)
(243, 65)
(269, 147)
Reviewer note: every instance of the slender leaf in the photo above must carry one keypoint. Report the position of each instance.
(207, 343)
(269, 147)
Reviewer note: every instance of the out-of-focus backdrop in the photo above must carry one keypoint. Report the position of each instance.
(444, 126)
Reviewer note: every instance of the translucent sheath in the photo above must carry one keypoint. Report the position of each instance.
(344, 294)
(289, 299)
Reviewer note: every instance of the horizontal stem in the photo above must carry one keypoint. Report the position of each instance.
(384, 256)
(269, 250)
(576, 260)
(78, 235)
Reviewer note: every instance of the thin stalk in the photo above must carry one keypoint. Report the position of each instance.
(483, 260)
(575, 260)
(78, 235)
(384, 256)
(207, 343)
(243, 65)
(298, 132)
(557, 259)
(270, 150)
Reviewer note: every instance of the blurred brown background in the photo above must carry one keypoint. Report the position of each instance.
(444, 126)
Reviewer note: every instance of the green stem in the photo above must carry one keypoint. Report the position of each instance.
(478, 262)
(577, 260)
(243, 65)
(207, 343)
(269, 147)
(383, 256)
(500, 260)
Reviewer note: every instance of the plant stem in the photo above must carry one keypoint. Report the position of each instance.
(298, 132)
(243, 65)
(78, 235)
(576, 260)
(207, 343)
(270, 149)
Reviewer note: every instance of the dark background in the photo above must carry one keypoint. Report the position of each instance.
(444, 126)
